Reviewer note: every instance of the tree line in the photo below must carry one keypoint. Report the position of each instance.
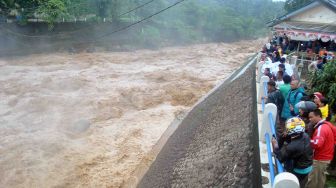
(191, 21)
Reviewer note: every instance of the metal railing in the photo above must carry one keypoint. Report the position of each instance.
(272, 126)
(278, 166)
(270, 160)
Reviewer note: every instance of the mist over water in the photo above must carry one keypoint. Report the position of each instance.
(82, 107)
(95, 25)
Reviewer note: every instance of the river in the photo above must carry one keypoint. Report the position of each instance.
(88, 119)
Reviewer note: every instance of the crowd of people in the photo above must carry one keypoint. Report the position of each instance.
(305, 137)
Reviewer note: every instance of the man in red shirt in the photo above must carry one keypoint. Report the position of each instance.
(322, 142)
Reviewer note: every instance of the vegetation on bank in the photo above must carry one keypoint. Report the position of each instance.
(190, 22)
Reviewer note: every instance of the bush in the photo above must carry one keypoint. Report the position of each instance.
(324, 81)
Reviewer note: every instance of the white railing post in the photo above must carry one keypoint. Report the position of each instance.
(287, 180)
(261, 92)
(265, 124)
(299, 68)
(259, 73)
(293, 60)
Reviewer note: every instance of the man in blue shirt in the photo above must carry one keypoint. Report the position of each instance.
(293, 97)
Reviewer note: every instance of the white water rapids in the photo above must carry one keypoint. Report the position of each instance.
(88, 119)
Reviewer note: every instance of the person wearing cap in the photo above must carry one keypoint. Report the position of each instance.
(297, 150)
(322, 142)
(322, 103)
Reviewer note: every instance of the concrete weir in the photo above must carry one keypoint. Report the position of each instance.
(216, 144)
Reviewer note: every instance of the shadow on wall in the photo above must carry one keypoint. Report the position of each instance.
(216, 145)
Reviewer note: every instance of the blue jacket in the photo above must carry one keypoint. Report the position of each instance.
(293, 97)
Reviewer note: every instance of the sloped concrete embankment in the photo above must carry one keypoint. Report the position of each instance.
(216, 144)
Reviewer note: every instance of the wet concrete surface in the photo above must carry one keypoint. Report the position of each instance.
(216, 145)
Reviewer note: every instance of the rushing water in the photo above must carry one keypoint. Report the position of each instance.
(89, 119)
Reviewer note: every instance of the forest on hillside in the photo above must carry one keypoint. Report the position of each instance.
(190, 20)
(185, 22)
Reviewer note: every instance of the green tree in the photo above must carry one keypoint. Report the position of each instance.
(325, 82)
(52, 10)
(78, 8)
(189, 22)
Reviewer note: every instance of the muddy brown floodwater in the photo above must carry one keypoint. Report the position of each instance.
(87, 120)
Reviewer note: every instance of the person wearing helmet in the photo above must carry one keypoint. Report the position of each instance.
(297, 150)
(305, 107)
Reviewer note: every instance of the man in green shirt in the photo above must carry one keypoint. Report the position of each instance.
(284, 88)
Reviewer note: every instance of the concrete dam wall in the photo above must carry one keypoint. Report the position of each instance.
(216, 144)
